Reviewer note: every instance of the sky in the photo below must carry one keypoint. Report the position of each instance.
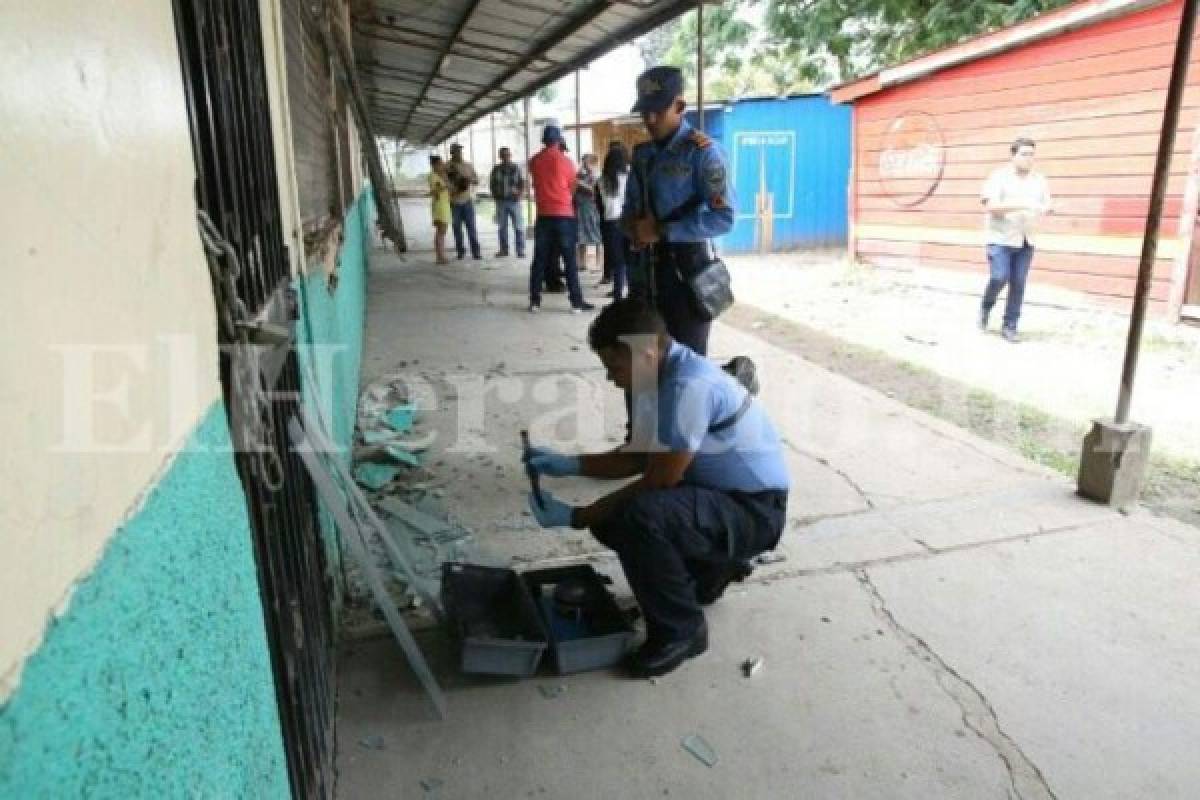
(607, 88)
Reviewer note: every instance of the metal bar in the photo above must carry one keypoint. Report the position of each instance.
(406, 97)
(388, 70)
(578, 129)
(527, 127)
(587, 56)
(308, 443)
(1158, 191)
(455, 37)
(434, 48)
(222, 62)
(441, 61)
(700, 64)
(544, 47)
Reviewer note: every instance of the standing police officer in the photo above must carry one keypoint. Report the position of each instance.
(677, 198)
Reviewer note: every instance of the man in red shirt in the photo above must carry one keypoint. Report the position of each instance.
(555, 232)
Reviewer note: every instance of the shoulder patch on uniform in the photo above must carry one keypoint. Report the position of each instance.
(700, 139)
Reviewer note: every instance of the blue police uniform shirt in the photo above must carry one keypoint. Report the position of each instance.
(689, 165)
(694, 394)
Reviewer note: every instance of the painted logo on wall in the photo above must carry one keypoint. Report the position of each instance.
(912, 158)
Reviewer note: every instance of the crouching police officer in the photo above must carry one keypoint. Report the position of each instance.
(711, 487)
(677, 198)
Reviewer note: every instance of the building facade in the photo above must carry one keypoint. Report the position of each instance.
(1088, 84)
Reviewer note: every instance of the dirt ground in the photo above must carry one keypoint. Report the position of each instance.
(911, 335)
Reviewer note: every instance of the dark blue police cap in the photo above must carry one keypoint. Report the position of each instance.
(657, 88)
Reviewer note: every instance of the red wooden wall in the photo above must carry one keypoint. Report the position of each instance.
(1093, 100)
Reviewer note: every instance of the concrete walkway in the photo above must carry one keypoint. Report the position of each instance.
(950, 620)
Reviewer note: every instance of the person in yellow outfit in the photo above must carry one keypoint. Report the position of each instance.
(439, 190)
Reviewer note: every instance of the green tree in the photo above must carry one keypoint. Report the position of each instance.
(725, 39)
(653, 46)
(840, 40)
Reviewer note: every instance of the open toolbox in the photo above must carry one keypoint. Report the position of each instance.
(591, 633)
(505, 621)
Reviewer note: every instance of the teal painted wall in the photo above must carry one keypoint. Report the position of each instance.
(157, 682)
(330, 344)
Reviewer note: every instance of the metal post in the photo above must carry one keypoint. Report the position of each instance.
(578, 123)
(492, 120)
(527, 110)
(700, 64)
(1158, 190)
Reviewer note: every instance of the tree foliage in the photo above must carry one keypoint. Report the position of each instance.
(653, 46)
(844, 39)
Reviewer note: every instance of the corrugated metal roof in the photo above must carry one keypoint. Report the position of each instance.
(429, 69)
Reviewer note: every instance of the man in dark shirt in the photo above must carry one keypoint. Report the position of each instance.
(508, 188)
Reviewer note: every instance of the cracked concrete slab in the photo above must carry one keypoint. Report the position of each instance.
(1085, 644)
(1015, 510)
(833, 713)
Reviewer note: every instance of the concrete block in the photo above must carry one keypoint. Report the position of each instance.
(1113, 466)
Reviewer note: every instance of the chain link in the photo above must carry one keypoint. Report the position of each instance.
(251, 411)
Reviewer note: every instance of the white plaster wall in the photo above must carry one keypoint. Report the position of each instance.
(98, 248)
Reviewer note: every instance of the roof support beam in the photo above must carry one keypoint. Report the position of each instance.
(437, 68)
(586, 57)
(457, 37)
(433, 48)
(441, 84)
(544, 46)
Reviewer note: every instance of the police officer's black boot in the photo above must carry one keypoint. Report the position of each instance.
(657, 657)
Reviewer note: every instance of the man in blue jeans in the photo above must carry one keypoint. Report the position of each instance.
(463, 181)
(556, 233)
(508, 187)
(1015, 197)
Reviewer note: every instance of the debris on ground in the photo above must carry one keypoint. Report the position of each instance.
(373, 742)
(375, 476)
(695, 744)
(419, 531)
(552, 692)
(751, 666)
(769, 557)
(431, 784)
(401, 417)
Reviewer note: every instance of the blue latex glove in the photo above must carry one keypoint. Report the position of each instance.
(548, 462)
(556, 514)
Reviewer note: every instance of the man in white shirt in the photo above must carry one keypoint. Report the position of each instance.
(1015, 198)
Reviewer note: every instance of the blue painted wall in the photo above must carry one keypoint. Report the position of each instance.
(329, 343)
(799, 147)
(156, 681)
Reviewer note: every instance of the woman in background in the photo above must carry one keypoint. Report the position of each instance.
(439, 190)
(587, 212)
(612, 193)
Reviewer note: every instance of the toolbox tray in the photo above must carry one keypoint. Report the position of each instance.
(610, 631)
(494, 618)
